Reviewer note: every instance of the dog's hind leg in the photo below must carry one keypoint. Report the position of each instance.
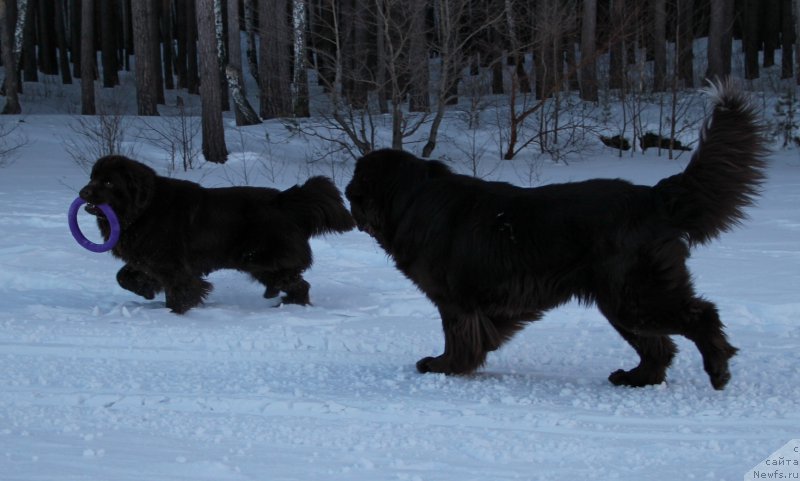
(290, 282)
(655, 354)
(468, 337)
(655, 349)
(297, 292)
(704, 327)
(138, 282)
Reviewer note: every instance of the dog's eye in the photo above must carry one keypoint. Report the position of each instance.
(108, 184)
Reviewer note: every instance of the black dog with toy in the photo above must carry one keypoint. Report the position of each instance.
(172, 233)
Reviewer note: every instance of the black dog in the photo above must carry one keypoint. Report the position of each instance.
(175, 232)
(493, 256)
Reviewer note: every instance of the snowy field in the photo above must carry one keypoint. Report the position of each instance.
(98, 384)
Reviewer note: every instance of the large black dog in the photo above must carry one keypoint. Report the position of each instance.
(175, 232)
(493, 256)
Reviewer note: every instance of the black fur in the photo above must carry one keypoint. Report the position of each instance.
(175, 232)
(493, 256)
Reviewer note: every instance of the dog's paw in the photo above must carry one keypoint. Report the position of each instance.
(634, 378)
(719, 376)
(271, 293)
(423, 365)
(433, 364)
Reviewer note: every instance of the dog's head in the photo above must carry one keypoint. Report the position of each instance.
(124, 184)
(384, 182)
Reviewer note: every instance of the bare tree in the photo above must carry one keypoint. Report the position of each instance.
(214, 149)
(454, 36)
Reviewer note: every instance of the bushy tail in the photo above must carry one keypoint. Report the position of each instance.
(318, 207)
(725, 172)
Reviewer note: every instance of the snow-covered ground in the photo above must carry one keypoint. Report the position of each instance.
(98, 384)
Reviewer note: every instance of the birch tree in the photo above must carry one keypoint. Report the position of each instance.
(300, 77)
(243, 111)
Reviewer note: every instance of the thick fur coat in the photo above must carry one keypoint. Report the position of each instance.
(492, 256)
(175, 232)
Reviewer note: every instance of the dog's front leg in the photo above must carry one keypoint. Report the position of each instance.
(467, 339)
(138, 282)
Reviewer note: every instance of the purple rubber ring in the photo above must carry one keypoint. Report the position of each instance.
(72, 217)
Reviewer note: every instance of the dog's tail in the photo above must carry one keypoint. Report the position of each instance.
(318, 207)
(724, 174)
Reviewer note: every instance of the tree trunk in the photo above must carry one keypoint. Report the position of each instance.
(87, 58)
(30, 70)
(76, 40)
(796, 10)
(274, 63)
(250, 27)
(155, 51)
(144, 38)
(716, 33)
(245, 115)
(381, 64)
(588, 51)
(214, 149)
(192, 75)
(685, 41)
(222, 52)
(770, 29)
(617, 47)
(750, 38)
(181, 34)
(47, 48)
(419, 92)
(127, 34)
(300, 76)
(516, 51)
(168, 36)
(12, 105)
(61, 38)
(659, 45)
(108, 39)
(787, 40)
